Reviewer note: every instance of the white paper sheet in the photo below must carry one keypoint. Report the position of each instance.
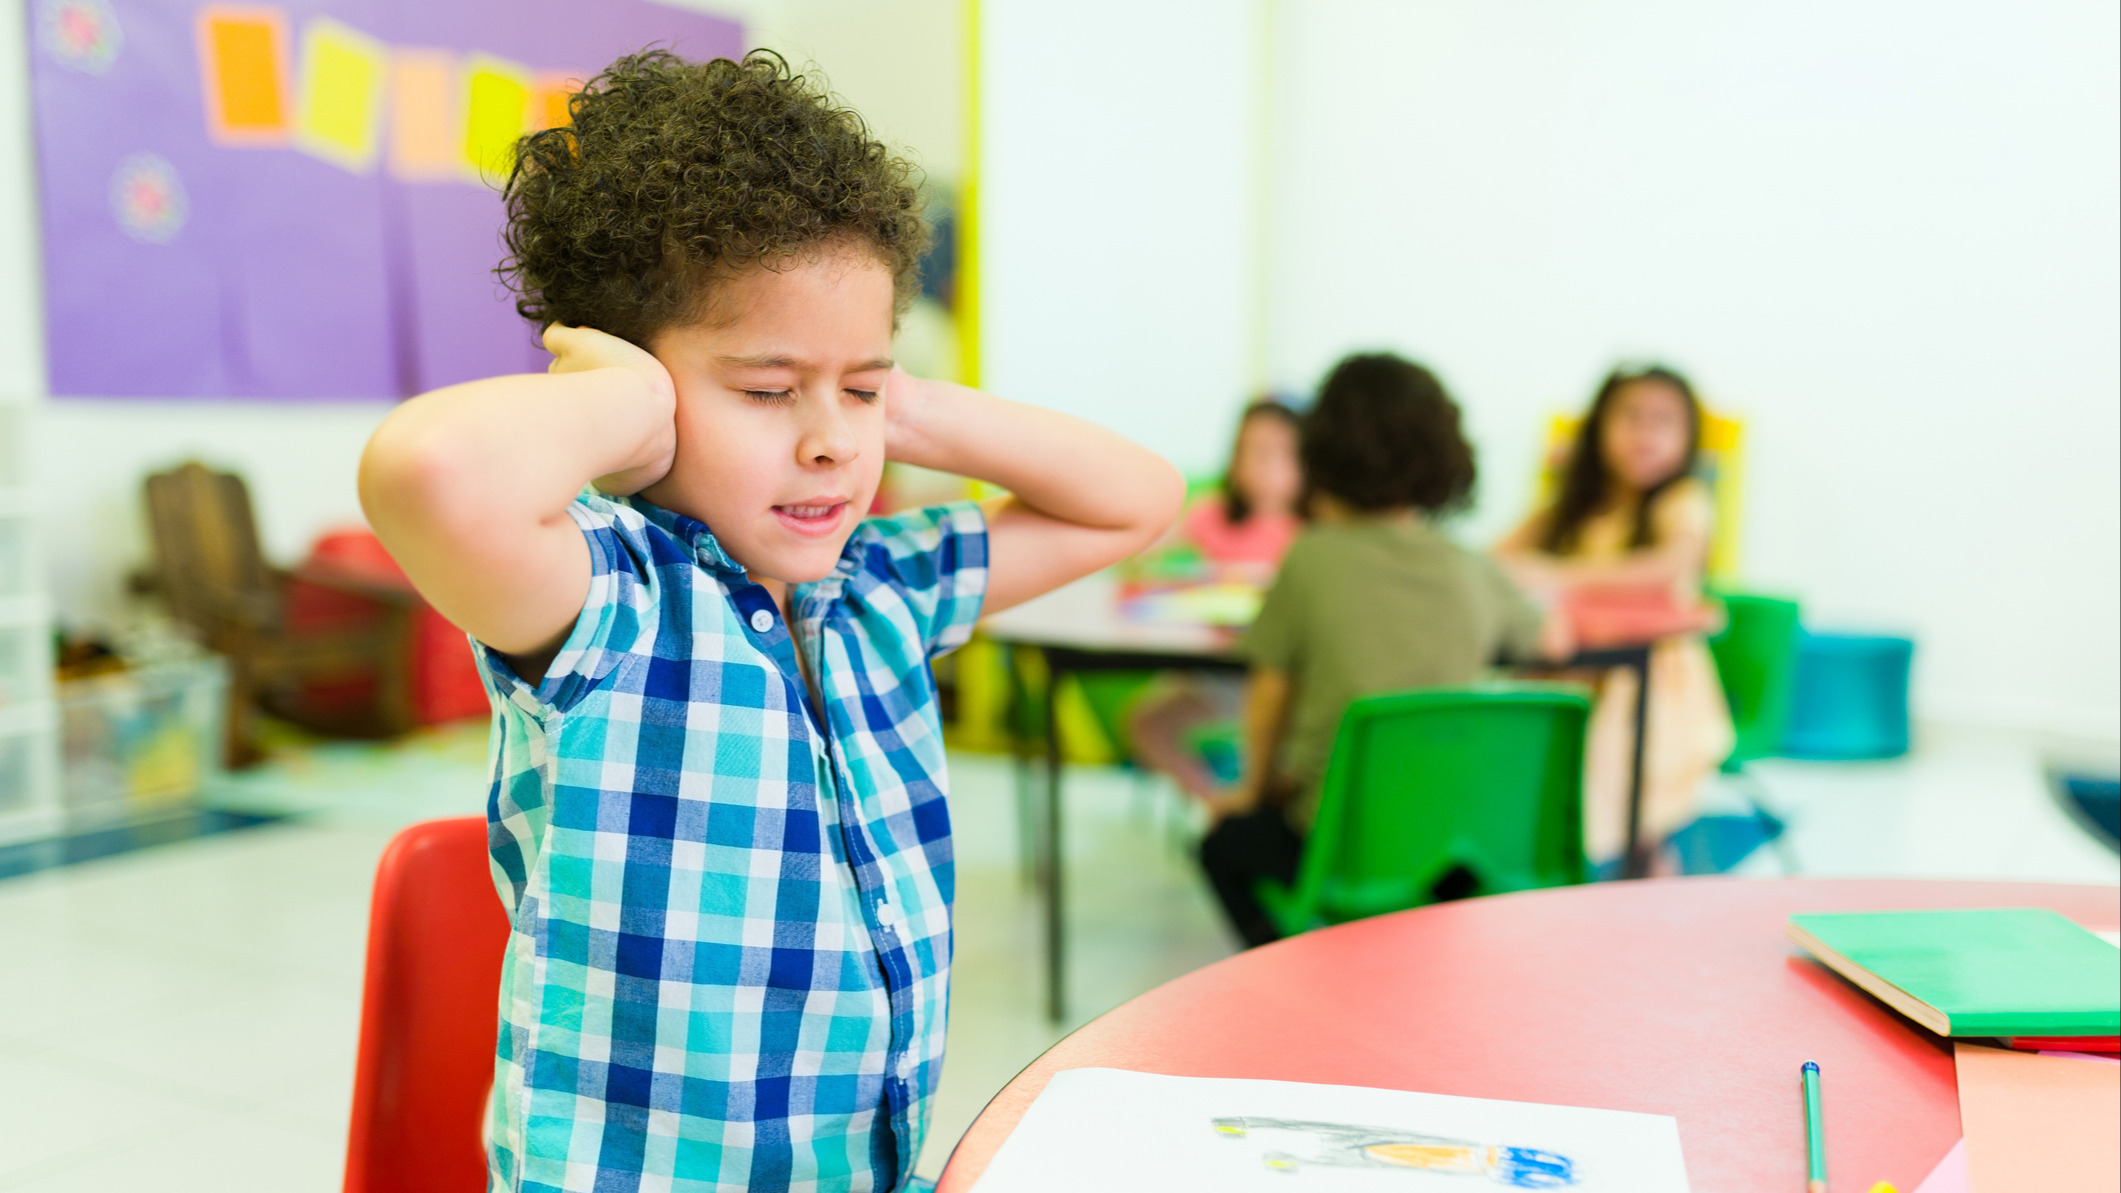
(1112, 1131)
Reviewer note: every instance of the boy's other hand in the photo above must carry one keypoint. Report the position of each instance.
(904, 401)
(581, 349)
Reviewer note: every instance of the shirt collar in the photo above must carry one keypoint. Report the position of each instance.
(690, 531)
(708, 549)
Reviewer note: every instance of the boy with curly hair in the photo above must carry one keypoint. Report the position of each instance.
(717, 812)
(1373, 597)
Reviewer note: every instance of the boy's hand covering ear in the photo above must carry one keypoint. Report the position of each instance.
(903, 402)
(582, 349)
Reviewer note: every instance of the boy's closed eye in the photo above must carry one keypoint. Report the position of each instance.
(781, 397)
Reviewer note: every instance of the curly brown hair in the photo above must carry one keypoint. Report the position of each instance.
(1384, 435)
(674, 175)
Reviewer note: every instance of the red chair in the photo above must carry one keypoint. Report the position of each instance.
(429, 1013)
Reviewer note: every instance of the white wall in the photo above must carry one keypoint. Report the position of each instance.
(1117, 175)
(1884, 233)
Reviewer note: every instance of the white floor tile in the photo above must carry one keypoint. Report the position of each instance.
(232, 1044)
(54, 1113)
(202, 1151)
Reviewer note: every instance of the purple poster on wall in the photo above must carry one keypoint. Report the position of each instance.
(297, 199)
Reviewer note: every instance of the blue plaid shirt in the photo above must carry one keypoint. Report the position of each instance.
(729, 953)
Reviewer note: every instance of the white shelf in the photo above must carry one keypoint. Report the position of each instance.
(28, 716)
(23, 610)
(29, 824)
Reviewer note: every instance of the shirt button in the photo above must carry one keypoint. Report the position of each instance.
(887, 914)
(761, 621)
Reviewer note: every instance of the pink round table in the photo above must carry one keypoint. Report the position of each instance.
(1669, 996)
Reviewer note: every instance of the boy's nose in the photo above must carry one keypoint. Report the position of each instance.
(827, 439)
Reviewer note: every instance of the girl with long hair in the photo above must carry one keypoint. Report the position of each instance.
(1631, 516)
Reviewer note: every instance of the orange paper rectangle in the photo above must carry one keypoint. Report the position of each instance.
(548, 101)
(243, 64)
(426, 117)
(2039, 1124)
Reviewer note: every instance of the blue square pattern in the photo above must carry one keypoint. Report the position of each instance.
(728, 964)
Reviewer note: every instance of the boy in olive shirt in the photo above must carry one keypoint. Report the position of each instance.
(1372, 598)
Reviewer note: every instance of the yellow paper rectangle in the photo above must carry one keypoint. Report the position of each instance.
(496, 114)
(426, 117)
(343, 70)
(243, 66)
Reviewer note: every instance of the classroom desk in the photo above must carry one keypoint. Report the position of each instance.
(1078, 628)
(1668, 996)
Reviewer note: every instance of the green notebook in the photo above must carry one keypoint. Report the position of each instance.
(2005, 971)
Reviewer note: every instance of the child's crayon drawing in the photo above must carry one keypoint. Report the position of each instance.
(1296, 1144)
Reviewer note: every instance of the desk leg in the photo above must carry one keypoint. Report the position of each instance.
(1051, 855)
(1635, 862)
(1021, 770)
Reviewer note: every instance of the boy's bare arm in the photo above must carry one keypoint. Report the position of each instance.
(1081, 497)
(469, 486)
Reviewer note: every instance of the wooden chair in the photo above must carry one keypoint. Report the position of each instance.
(209, 568)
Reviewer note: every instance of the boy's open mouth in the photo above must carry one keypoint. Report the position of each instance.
(818, 516)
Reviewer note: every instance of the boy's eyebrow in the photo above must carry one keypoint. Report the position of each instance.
(768, 361)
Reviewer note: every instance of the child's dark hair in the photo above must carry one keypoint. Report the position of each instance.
(1584, 481)
(1237, 504)
(672, 175)
(1384, 435)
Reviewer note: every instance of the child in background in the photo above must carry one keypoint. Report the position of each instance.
(1247, 526)
(1242, 533)
(1631, 515)
(1373, 597)
(717, 813)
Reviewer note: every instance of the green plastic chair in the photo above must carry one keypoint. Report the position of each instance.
(1442, 793)
(1756, 658)
(1756, 661)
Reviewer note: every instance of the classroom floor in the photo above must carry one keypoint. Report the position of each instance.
(183, 1017)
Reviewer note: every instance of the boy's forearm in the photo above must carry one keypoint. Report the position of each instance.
(1060, 466)
(510, 448)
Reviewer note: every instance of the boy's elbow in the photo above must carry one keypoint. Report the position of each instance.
(407, 474)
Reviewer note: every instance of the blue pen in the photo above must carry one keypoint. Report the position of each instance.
(1814, 1130)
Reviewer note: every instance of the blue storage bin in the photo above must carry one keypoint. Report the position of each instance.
(1850, 697)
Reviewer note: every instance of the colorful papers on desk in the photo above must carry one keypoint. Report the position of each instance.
(1121, 1132)
(1949, 1176)
(2039, 1124)
(1992, 971)
(1220, 604)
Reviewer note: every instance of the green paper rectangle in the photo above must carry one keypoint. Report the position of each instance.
(1991, 971)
